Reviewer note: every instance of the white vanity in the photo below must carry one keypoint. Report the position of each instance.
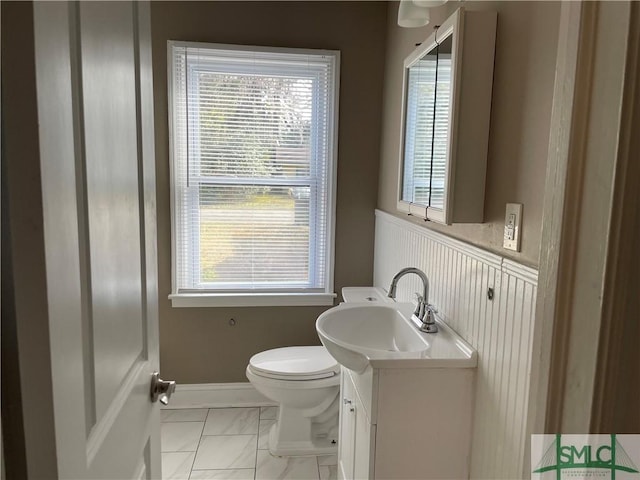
(407, 396)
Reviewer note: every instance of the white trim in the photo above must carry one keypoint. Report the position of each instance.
(217, 395)
(566, 125)
(251, 48)
(528, 274)
(172, 173)
(332, 174)
(251, 299)
(454, 27)
(284, 297)
(478, 253)
(621, 262)
(506, 265)
(587, 142)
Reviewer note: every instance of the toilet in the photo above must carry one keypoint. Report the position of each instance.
(305, 382)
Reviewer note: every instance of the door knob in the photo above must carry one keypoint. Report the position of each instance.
(161, 389)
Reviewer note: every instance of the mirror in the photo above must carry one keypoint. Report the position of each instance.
(448, 82)
(427, 125)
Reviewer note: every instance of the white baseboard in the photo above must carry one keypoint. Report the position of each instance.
(217, 395)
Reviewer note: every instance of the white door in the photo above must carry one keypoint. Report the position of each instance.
(95, 110)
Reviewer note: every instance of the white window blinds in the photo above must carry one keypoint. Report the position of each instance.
(421, 91)
(441, 131)
(252, 141)
(427, 130)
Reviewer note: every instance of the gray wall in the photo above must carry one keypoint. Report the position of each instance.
(197, 345)
(524, 72)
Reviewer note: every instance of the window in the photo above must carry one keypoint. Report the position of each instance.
(253, 151)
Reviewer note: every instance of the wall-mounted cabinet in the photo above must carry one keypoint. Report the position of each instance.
(448, 82)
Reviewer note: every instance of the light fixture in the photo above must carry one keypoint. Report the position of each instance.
(429, 3)
(410, 15)
(416, 13)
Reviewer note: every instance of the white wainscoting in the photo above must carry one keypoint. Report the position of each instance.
(501, 329)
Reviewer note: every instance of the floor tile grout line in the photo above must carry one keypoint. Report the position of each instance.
(181, 410)
(221, 469)
(185, 421)
(199, 442)
(230, 467)
(227, 408)
(202, 435)
(196, 470)
(255, 463)
(180, 451)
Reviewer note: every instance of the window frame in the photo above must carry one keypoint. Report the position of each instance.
(209, 297)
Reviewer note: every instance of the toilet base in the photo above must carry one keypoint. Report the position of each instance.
(318, 446)
(297, 434)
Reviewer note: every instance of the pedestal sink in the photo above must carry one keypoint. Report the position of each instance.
(382, 335)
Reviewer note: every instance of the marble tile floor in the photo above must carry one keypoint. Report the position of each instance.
(231, 444)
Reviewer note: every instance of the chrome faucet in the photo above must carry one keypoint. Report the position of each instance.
(424, 315)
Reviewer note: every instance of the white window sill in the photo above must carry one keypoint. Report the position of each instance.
(182, 300)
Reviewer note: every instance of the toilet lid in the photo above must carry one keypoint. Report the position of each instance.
(295, 363)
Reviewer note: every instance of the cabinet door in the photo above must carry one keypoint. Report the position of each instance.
(346, 441)
(357, 436)
(364, 448)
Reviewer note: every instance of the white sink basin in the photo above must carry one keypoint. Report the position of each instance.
(382, 335)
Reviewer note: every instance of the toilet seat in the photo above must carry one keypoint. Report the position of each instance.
(294, 364)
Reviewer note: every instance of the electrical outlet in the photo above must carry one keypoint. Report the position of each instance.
(513, 226)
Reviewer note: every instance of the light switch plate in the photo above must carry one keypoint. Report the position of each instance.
(513, 226)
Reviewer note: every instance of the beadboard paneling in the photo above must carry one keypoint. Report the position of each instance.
(500, 329)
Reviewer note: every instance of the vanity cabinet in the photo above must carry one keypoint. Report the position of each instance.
(405, 423)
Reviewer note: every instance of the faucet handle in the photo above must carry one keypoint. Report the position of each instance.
(429, 314)
(429, 319)
(419, 311)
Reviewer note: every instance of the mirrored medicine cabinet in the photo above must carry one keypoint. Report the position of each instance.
(446, 112)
